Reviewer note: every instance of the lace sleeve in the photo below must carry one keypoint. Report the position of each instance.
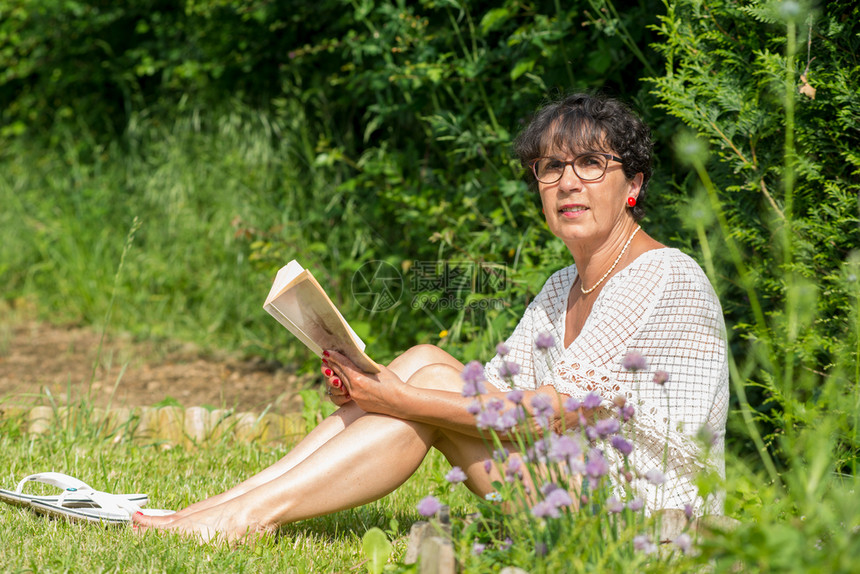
(520, 355)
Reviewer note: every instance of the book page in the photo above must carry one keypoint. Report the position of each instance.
(285, 276)
(306, 311)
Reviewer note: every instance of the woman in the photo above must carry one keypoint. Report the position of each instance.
(626, 295)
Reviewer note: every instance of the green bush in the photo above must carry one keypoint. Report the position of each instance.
(729, 71)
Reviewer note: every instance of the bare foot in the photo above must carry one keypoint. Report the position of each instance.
(217, 524)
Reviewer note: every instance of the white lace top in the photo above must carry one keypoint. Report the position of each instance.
(663, 307)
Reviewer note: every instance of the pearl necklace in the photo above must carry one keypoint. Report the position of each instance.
(617, 259)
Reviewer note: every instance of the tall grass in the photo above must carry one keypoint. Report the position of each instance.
(194, 185)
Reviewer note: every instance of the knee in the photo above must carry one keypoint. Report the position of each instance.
(437, 376)
(426, 354)
(420, 356)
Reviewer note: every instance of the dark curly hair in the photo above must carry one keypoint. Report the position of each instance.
(582, 122)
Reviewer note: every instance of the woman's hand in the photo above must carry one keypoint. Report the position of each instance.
(336, 390)
(373, 393)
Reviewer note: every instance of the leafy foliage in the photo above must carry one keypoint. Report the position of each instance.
(795, 221)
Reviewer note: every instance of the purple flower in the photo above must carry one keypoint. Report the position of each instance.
(543, 509)
(514, 469)
(634, 361)
(688, 511)
(643, 544)
(455, 475)
(515, 396)
(544, 341)
(519, 413)
(559, 497)
(622, 445)
(473, 388)
(429, 506)
(537, 452)
(502, 349)
(473, 375)
(555, 498)
(627, 412)
(487, 418)
(562, 447)
(473, 372)
(684, 542)
(542, 405)
(661, 377)
(596, 466)
(488, 466)
(506, 421)
(636, 504)
(576, 465)
(478, 548)
(591, 401)
(501, 454)
(474, 407)
(614, 505)
(495, 404)
(655, 477)
(548, 487)
(607, 427)
(571, 405)
(506, 543)
(508, 369)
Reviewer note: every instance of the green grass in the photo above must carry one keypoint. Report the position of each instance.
(174, 478)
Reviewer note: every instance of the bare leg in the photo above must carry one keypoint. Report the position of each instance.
(406, 365)
(364, 462)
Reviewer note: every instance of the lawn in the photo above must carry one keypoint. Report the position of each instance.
(174, 477)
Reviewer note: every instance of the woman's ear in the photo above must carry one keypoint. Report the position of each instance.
(636, 185)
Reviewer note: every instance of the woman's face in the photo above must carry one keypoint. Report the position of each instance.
(588, 213)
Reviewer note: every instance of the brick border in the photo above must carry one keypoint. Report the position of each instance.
(169, 425)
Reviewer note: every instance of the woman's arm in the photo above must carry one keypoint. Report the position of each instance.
(433, 395)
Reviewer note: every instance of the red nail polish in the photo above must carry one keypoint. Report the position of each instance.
(325, 354)
(336, 383)
(324, 362)
(138, 513)
(328, 372)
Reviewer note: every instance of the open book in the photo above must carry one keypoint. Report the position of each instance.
(298, 302)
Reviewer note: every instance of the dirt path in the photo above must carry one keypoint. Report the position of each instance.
(36, 358)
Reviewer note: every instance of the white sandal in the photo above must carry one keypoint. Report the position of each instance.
(79, 501)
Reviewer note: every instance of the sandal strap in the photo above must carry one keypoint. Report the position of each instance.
(57, 479)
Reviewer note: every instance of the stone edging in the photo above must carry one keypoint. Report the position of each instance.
(168, 425)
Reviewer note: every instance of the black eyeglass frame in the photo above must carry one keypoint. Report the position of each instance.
(571, 163)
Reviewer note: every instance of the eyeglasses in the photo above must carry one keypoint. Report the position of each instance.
(587, 167)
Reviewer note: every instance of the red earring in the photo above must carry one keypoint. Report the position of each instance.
(631, 201)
